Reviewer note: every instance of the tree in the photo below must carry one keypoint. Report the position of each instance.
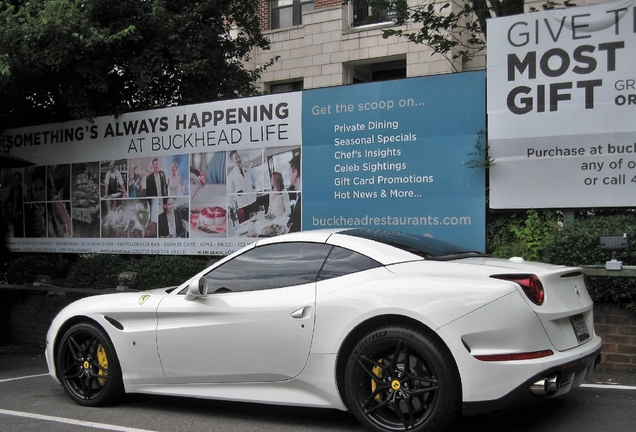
(454, 29)
(71, 59)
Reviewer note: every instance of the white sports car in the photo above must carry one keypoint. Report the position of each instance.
(406, 332)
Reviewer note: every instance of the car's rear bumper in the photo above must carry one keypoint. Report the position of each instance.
(569, 375)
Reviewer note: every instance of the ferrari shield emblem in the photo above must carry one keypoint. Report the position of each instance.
(143, 299)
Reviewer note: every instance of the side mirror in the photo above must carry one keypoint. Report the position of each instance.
(198, 288)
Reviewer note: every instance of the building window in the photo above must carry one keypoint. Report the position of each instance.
(286, 87)
(364, 13)
(369, 72)
(287, 13)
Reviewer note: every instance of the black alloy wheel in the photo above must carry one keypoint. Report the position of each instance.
(88, 367)
(398, 379)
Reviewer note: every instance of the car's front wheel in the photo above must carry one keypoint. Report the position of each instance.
(399, 379)
(88, 367)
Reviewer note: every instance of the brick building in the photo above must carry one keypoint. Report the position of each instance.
(325, 43)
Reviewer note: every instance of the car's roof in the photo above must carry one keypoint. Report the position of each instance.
(385, 246)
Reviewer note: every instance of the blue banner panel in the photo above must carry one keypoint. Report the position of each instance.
(396, 155)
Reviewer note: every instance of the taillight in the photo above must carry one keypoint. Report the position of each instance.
(530, 283)
(515, 356)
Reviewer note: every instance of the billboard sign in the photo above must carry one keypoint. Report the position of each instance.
(210, 178)
(393, 155)
(561, 107)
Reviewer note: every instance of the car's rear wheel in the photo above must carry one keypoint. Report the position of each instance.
(398, 379)
(88, 367)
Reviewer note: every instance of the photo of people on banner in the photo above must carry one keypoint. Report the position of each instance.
(13, 201)
(158, 177)
(85, 191)
(37, 203)
(263, 192)
(238, 193)
(173, 216)
(121, 216)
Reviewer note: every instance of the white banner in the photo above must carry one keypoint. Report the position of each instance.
(180, 180)
(562, 108)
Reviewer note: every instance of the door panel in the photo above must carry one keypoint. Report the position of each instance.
(250, 336)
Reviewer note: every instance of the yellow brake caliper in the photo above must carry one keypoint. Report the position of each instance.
(377, 371)
(102, 359)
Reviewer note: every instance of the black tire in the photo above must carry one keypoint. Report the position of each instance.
(88, 367)
(398, 379)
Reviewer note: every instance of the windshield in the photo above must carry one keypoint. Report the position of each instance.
(426, 247)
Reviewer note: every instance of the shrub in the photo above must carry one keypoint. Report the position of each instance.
(523, 234)
(26, 269)
(577, 244)
(165, 270)
(532, 235)
(96, 271)
(153, 271)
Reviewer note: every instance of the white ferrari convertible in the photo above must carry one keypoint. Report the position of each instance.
(406, 332)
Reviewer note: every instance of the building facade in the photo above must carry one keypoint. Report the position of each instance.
(324, 43)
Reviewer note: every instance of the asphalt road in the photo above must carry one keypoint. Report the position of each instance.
(31, 401)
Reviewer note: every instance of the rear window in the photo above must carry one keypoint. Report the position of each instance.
(342, 262)
(426, 247)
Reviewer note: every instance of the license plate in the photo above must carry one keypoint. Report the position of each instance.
(580, 328)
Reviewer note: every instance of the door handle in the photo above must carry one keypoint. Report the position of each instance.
(300, 313)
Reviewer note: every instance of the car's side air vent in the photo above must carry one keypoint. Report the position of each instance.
(114, 323)
(571, 274)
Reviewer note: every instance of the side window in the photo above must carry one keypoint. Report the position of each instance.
(344, 261)
(287, 13)
(362, 12)
(269, 266)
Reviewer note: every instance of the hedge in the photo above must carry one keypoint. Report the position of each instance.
(577, 244)
(102, 271)
(540, 236)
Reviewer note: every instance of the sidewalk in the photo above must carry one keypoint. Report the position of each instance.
(612, 377)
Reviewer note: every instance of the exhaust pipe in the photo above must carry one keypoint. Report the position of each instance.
(553, 384)
(545, 386)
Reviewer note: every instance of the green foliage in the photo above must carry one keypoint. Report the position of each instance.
(533, 235)
(26, 269)
(72, 59)
(577, 244)
(168, 270)
(156, 271)
(449, 29)
(454, 30)
(620, 290)
(521, 234)
(479, 158)
(96, 271)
